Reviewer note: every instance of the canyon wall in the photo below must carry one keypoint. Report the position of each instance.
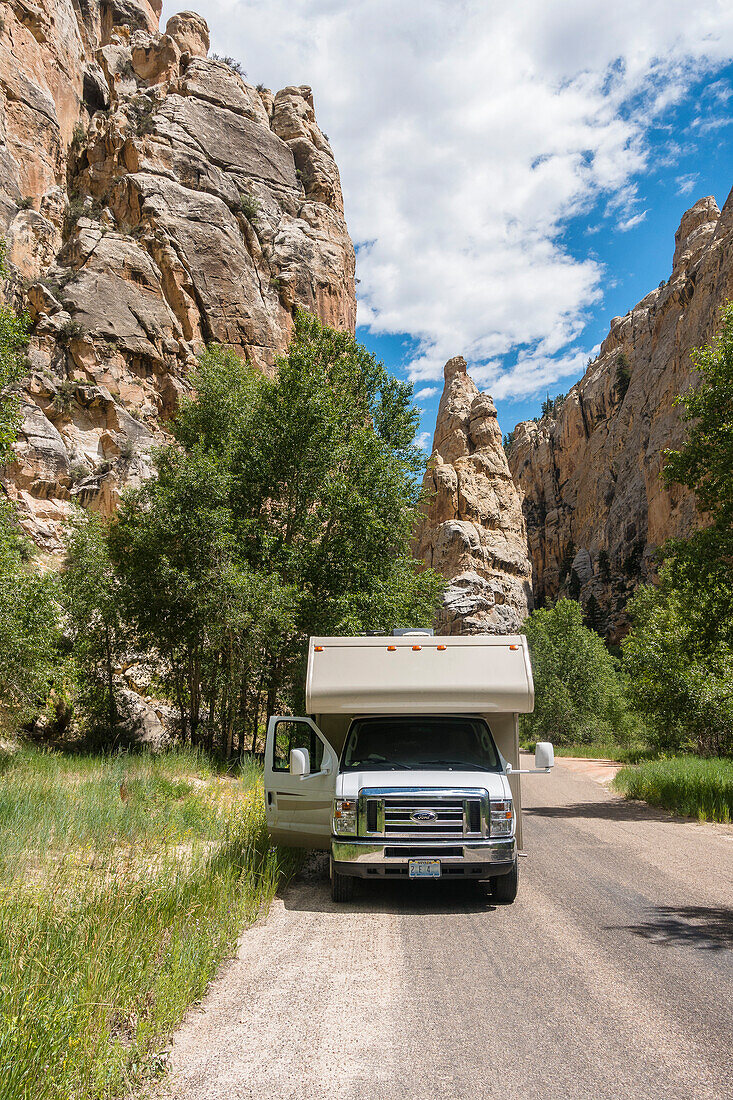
(473, 530)
(595, 505)
(151, 200)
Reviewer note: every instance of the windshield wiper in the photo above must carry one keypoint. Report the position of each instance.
(374, 765)
(464, 765)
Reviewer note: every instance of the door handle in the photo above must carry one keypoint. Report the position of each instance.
(269, 798)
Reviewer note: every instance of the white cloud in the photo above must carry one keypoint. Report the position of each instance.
(423, 440)
(630, 223)
(466, 133)
(685, 184)
(424, 394)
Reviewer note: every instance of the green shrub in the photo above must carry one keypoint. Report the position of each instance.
(26, 203)
(13, 342)
(578, 695)
(230, 62)
(249, 205)
(70, 330)
(623, 375)
(29, 627)
(684, 785)
(78, 138)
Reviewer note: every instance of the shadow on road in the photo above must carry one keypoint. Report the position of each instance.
(694, 925)
(310, 892)
(612, 809)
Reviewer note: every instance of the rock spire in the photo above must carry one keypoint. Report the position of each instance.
(473, 530)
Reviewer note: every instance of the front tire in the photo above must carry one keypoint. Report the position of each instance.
(504, 887)
(342, 886)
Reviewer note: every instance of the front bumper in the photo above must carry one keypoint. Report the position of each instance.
(475, 859)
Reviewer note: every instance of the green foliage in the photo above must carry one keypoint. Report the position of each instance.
(91, 596)
(126, 880)
(78, 138)
(284, 508)
(232, 63)
(551, 405)
(623, 375)
(508, 441)
(574, 586)
(684, 785)
(70, 330)
(578, 695)
(29, 627)
(26, 203)
(678, 658)
(705, 463)
(13, 342)
(249, 205)
(679, 655)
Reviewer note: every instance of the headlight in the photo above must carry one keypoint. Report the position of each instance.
(502, 818)
(344, 816)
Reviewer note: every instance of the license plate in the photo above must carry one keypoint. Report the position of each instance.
(423, 868)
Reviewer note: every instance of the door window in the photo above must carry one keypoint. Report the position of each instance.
(295, 735)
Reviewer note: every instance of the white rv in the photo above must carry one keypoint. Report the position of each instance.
(409, 763)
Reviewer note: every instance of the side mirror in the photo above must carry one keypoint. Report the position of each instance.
(300, 763)
(544, 755)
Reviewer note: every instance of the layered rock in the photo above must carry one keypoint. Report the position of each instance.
(152, 201)
(594, 501)
(473, 529)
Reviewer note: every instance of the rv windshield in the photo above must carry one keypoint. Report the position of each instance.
(450, 744)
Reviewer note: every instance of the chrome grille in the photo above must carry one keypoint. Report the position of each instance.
(417, 814)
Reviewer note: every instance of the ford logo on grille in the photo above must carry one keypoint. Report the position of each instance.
(423, 815)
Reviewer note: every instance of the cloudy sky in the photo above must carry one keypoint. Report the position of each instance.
(513, 173)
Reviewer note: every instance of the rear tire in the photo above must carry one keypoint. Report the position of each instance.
(342, 886)
(504, 887)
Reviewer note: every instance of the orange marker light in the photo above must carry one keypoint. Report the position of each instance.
(417, 647)
(514, 647)
(391, 648)
(318, 648)
(442, 647)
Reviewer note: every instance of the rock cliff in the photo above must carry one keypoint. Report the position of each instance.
(595, 505)
(473, 532)
(152, 200)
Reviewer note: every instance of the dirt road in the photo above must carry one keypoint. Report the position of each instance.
(611, 976)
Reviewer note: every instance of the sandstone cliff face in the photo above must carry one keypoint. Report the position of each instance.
(152, 200)
(595, 506)
(473, 532)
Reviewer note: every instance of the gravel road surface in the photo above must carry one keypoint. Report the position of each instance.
(610, 977)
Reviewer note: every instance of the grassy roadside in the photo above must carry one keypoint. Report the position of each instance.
(124, 881)
(598, 750)
(691, 785)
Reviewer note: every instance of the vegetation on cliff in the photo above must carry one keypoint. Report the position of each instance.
(679, 654)
(281, 508)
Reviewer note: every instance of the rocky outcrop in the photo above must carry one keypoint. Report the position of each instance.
(595, 505)
(152, 201)
(473, 530)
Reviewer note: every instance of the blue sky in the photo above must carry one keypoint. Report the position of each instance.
(691, 155)
(513, 174)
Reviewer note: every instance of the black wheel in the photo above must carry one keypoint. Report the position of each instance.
(342, 886)
(504, 887)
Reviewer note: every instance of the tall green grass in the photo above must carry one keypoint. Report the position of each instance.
(123, 883)
(624, 753)
(697, 787)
